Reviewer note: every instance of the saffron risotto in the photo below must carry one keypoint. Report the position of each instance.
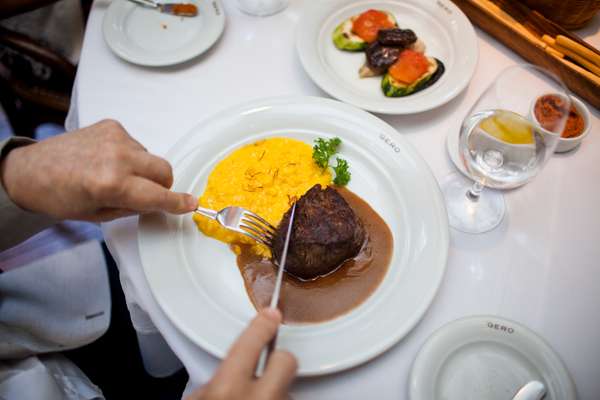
(262, 177)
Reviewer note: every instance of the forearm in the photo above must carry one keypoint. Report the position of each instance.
(9, 8)
(16, 224)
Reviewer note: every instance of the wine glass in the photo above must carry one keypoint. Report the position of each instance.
(505, 140)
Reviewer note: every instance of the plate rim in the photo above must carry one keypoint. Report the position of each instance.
(416, 370)
(452, 149)
(167, 61)
(331, 89)
(442, 229)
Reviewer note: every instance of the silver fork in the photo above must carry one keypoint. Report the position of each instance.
(242, 221)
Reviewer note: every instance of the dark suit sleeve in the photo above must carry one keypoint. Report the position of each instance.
(16, 224)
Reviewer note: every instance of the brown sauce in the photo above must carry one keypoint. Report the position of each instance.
(334, 294)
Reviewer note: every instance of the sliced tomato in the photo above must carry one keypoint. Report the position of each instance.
(409, 67)
(369, 23)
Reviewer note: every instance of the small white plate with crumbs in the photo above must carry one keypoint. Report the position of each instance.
(145, 36)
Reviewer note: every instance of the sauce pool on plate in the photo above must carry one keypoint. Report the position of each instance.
(332, 295)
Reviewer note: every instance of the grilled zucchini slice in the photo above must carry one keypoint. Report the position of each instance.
(344, 39)
(394, 88)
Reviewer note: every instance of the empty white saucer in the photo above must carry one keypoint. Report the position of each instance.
(486, 357)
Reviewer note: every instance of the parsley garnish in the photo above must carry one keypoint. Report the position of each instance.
(322, 152)
(323, 149)
(342, 172)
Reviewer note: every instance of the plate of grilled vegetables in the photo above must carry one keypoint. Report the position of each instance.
(390, 57)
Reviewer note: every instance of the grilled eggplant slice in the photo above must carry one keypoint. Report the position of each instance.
(379, 59)
(396, 37)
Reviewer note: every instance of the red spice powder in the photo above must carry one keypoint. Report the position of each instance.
(549, 110)
(575, 124)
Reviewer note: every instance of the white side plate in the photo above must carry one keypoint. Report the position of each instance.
(195, 278)
(446, 31)
(486, 357)
(148, 37)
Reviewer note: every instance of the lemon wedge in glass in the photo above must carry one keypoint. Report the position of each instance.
(508, 127)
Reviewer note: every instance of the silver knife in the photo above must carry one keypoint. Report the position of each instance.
(179, 9)
(266, 352)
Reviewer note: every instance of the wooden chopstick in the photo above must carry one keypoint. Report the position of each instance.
(505, 19)
(554, 51)
(568, 52)
(582, 71)
(578, 49)
(509, 21)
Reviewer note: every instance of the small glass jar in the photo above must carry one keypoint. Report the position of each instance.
(262, 8)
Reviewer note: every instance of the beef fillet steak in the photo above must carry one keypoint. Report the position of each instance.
(326, 232)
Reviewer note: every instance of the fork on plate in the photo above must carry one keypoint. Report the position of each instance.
(179, 9)
(242, 221)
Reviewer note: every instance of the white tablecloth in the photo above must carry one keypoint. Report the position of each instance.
(541, 267)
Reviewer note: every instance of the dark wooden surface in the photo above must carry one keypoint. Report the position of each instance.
(530, 51)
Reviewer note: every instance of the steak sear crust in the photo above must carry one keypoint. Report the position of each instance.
(326, 233)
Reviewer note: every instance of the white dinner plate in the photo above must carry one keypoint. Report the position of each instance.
(446, 31)
(145, 36)
(195, 278)
(486, 357)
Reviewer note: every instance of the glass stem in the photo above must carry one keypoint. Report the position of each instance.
(474, 192)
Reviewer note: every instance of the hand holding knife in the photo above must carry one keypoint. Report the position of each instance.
(266, 352)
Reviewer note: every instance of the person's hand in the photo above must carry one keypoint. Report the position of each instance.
(96, 173)
(235, 377)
